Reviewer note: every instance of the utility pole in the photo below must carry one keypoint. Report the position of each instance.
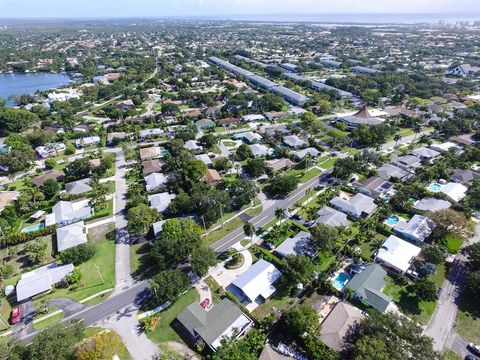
(221, 215)
(99, 273)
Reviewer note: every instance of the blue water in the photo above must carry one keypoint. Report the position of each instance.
(435, 187)
(393, 220)
(32, 228)
(20, 83)
(340, 281)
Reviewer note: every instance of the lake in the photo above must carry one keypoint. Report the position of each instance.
(20, 83)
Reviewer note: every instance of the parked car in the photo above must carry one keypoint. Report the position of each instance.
(204, 304)
(474, 349)
(15, 316)
(470, 357)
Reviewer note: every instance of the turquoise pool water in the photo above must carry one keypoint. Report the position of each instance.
(341, 280)
(164, 153)
(393, 220)
(435, 187)
(32, 228)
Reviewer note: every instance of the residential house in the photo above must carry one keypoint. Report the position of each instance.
(249, 137)
(205, 124)
(444, 147)
(374, 187)
(87, 141)
(41, 280)
(331, 217)
(151, 166)
(310, 151)
(50, 149)
(205, 159)
(70, 236)
(116, 136)
(252, 117)
(462, 176)
(339, 324)
(161, 201)
(294, 142)
(155, 182)
(367, 285)
(275, 115)
(79, 187)
(465, 139)
(390, 172)
(67, 212)
(300, 244)
(257, 283)
(417, 229)
(455, 192)
(6, 197)
(229, 121)
(260, 150)
(54, 174)
(224, 320)
(431, 204)
(192, 145)
(464, 70)
(358, 206)
(425, 153)
(407, 162)
(125, 105)
(397, 254)
(279, 164)
(149, 133)
(150, 153)
(212, 177)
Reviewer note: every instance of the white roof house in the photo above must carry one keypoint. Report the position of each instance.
(49, 149)
(294, 141)
(260, 150)
(455, 192)
(431, 204)
(257, 282)
(204, 158)
(308, 151)
(155, 181)
(87, 141)
(444, 147)
(79, 187)
(357, 206)
(161, 201)
(296, 245)
(67, 212)
(41, 280)
(417, 229)
(248, 136)
(146, 133)
(192, 145)
(70, 236)
(397, 254)
(253, 117)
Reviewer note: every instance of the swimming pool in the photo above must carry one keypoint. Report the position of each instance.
(434, 187)
(340, 280)
(32, 228)
(393, 220)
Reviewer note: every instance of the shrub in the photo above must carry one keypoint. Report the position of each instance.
(78, 254)
(50, 163)
(25, 237)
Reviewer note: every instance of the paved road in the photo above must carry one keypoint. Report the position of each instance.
(92, 315)
(445, 313)
(123, 278)
(267, 215)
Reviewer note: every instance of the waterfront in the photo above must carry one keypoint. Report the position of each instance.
(28, 83)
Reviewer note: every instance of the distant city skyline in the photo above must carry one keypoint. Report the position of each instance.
(226, 8)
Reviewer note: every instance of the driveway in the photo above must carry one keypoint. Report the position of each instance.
(224, 276)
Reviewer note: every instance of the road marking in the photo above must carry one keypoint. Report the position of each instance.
(263, 218)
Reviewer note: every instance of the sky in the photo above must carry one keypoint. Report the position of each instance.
(179, 8)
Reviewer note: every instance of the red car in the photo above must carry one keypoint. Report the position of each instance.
(204, 304)
(15, 316)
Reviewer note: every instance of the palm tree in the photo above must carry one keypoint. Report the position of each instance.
(280, 213)
(249, 230)
(348, 293)
(397, 138)
(417, 129)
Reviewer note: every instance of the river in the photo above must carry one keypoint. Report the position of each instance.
(21, 83)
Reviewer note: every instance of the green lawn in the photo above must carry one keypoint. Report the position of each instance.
(310, 175)
(216, 235)
(48, 322)
(452, 242)
(450, 355)
(328, 163)
(104, 211)
(468, 319)
(419, 311)
(91, 282)
(164, 331)
(140, 260)
(277, 301)
(215, 288)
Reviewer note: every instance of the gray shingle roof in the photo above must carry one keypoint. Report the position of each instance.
(368, 286)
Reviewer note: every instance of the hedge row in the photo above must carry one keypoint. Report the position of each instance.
(21, 238)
